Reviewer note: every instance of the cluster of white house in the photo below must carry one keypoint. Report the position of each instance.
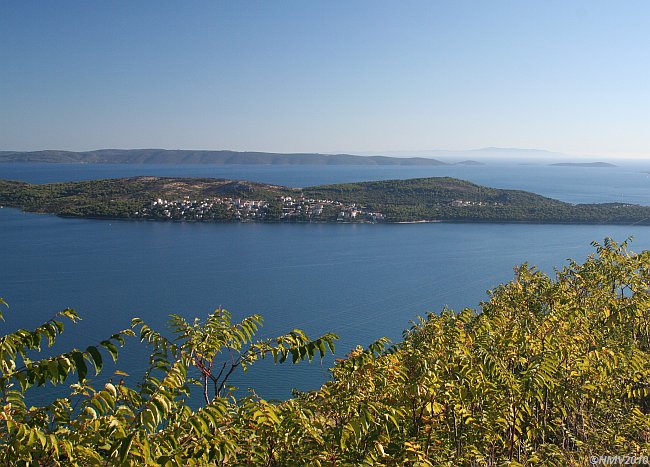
(206, 209)
(239, 209)
(300, 208)
(463, 203)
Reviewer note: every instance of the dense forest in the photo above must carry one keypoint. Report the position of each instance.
(412, 200)
(548, 371)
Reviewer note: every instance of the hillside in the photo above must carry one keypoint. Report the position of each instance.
(203, 199)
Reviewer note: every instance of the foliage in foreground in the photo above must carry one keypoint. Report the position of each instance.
(551, 370)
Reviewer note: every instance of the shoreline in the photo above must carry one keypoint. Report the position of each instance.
(646, 222)
(411, 201)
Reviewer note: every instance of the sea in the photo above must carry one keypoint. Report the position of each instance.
(360, 281)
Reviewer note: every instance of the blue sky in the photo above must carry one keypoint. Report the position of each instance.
(328, 76)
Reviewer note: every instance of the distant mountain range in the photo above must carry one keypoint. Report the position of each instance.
(493, 154)
(485, 153)
(165, 156)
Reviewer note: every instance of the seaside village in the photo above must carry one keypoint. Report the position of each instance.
(285, 208)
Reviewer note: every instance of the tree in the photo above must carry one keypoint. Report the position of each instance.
(150, 425)
(549, 371)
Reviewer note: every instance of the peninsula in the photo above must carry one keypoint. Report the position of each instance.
(217, 200)
(182, 156)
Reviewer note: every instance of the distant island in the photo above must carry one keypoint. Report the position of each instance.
(165, 156)
(584, 164)
(217, 200)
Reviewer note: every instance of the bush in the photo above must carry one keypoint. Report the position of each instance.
(550, 371)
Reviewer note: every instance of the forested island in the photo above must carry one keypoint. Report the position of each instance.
(217, 200)
(222, 157)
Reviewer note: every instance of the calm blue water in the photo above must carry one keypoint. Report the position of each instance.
(360, 281)
(629, 183)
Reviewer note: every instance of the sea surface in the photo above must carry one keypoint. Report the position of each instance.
(629, 182)
(360, 281)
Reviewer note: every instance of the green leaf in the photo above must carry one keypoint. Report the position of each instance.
(112, 349)
(125, 447)
(321, 348)
(53, 368)
(22, 379)
(96, 358)
(295, 355)
(80, 362)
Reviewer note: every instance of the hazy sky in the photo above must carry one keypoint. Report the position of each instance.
(346, 75)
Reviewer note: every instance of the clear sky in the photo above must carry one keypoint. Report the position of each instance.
(336, 75)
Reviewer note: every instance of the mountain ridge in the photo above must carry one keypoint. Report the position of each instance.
(217, 157)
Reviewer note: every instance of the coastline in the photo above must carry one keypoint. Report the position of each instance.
(204, 200)
(646, 223)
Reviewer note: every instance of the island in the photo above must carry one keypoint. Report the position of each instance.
(437, 199)
(583, 164)
(184, 156)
